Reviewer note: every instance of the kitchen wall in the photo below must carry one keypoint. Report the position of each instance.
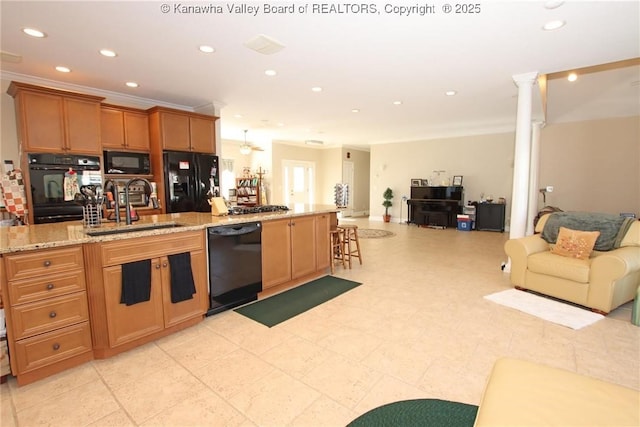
(593, 165)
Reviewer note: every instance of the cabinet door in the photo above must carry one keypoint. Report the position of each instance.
(276, 253)
(42, 122)
(127, 323)
(303, 246)
(83, 126)
(111, 128)
(175, 313)
(174, 131)
(322, 241)
(202, 135)
(136, 129)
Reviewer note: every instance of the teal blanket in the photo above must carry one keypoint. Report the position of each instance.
(612, 227)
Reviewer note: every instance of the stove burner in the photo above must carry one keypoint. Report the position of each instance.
(244, 210)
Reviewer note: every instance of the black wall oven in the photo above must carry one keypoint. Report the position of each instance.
(46, 176)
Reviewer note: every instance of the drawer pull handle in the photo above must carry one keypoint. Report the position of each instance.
(164, 264)
(52, 314)
(157, 266)
(50, 286)
(56, 346)
(47, 263)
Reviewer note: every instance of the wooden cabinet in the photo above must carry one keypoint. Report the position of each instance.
(323, 225)
(47, 311)
(288, 249)
(177, 130)
(124, 128)
(119, 327)
(51, 120)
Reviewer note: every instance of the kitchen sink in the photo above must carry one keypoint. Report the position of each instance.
(131, 229)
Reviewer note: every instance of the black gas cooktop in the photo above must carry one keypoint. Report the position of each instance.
(244, 210)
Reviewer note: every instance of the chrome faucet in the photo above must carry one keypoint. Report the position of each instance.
(126, 196)
(116, 198)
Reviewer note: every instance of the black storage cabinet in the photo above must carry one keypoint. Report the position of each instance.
(490, 216)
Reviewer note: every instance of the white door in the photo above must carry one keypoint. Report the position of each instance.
(298, 182)
(347, 178)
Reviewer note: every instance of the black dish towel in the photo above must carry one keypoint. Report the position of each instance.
(136, 282)
(182, 284)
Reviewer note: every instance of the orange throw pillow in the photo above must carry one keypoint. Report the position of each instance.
(574, 243)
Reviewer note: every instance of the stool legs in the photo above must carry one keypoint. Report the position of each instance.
(336, 248)
(351, 235)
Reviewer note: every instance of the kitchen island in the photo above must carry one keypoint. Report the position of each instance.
(64, 292)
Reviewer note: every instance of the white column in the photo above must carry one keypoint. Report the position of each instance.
(534, 170)
(522, 154)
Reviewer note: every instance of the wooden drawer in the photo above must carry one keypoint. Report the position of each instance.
(44, 316)
(46, 349)
(41, 287)
(46, 262)
(124, 251)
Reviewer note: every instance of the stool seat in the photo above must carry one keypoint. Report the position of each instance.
(351, 235)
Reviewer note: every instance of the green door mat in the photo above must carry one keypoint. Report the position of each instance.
(419, 413)
(286, 305)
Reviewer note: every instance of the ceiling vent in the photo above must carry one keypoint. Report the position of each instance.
(264, 44)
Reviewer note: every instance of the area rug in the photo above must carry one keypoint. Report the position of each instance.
(373, 233)
(546, 308)
(419, 412)
(284, 306)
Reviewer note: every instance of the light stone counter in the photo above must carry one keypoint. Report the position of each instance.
(29, 237)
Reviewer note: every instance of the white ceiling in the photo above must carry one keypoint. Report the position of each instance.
(362, 61)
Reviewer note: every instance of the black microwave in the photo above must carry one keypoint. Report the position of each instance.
(127, 163)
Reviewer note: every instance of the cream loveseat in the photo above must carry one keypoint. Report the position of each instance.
(522, 393)
(602, 282)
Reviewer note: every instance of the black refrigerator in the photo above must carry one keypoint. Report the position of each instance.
(190, 180)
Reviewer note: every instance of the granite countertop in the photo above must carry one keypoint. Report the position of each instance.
(29, 237)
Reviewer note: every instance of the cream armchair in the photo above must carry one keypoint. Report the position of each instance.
(602, 282)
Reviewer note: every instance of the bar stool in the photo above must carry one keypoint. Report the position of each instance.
(336, 248)
(351, 235)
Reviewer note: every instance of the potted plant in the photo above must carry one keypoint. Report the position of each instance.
(387, 195)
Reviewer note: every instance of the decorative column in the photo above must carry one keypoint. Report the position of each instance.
(534, 170)
(521, 159)
(522, 155)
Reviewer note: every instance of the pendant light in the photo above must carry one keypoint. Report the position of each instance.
(245, 148)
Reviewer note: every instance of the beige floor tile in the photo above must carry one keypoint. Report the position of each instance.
(151, 394)
(350, 342)
(117, 418)
(389, 390)
(297, 356)
(7, 413)
(197, 351)
(203, 408)
(35, 393)
(274, 400)
(342, 380)
(324, 412)
(78, 406)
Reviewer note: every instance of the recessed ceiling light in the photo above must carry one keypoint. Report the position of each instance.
(270, 72)
(132, 84)
(63, 69)
(206, 49)
(108, 52)
(553, 4)
(280, 124)
(450, 93)
(237, 116)
(355, 110)
(33, 32)
(397, 102)
(316, 89)
(553, 25)
(572, 77)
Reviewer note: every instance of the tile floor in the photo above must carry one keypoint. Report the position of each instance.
(418, 327)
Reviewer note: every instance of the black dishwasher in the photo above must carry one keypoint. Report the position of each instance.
(235, 265)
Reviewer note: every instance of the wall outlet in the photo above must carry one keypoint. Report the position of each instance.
(549, 188)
